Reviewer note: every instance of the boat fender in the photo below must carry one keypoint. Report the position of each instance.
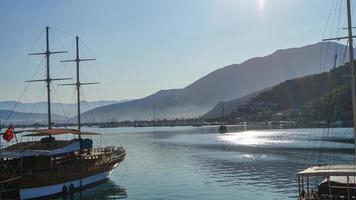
(71, 188)
(64, 189)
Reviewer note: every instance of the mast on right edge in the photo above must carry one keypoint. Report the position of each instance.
(351, 51)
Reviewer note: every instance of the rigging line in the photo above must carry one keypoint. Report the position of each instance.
(59, 103)
(36, 41)
(328, 20)
(319, 132)
(95, 73)
(90, 113)
(17, 102)
(68, 57)
(57, 43)
(333, 14)
(36, 104)
(38, 68)
(322, 67)
(323, 55)
(86, 47)
(352, 8)
(334, 19)
(345, 52)
(62, 31)
(23, 92)
(57, 40)
(73, 98)
(339, 20)
(338, 31)
(33, 46)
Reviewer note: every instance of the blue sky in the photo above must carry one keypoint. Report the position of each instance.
(143, 46)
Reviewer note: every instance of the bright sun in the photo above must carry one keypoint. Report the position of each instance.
(261, 4)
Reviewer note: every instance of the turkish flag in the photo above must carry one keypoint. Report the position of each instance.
(9, 134)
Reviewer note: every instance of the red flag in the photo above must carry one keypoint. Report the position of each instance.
(9, 134)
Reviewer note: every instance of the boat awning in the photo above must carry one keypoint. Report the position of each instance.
(341, 179)
(18, 153)
(47, 132)
(329, 170)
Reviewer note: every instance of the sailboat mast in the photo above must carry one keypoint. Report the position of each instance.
(78, 83)
(48, 79)
(351, 51)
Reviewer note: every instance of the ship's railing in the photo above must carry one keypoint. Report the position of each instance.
(111, 153)
(108, 149)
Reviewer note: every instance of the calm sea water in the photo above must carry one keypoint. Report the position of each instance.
(199, 163)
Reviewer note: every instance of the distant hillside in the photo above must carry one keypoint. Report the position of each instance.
(7, 116)
(68, 109)
(316, 95)
(227, 107)
(230, 82)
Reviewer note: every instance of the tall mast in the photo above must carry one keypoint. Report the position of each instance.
(351, 51)
(78, 81)
(77, 60)
(48, 79)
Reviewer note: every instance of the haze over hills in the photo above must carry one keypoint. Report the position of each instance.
(224, 84)
(14, 117)
(63, 109)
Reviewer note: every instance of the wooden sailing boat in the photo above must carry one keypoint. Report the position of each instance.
(339, 180)
(47, 167)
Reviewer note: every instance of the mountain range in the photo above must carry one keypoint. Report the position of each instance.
(63, 109)
(225, 84)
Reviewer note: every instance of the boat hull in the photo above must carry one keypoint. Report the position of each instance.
(57, 189)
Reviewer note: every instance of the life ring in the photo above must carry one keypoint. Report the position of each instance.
(64, 189)
(71, 188)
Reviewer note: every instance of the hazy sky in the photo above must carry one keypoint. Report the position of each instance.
(143, 46)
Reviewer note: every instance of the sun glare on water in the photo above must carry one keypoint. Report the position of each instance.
(251, 138)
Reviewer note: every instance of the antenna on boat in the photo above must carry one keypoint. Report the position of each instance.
(48, 79)
(78, 83)
(335, 61)
(154, 115)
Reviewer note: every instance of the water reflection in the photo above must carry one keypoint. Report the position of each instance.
(107, 190)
